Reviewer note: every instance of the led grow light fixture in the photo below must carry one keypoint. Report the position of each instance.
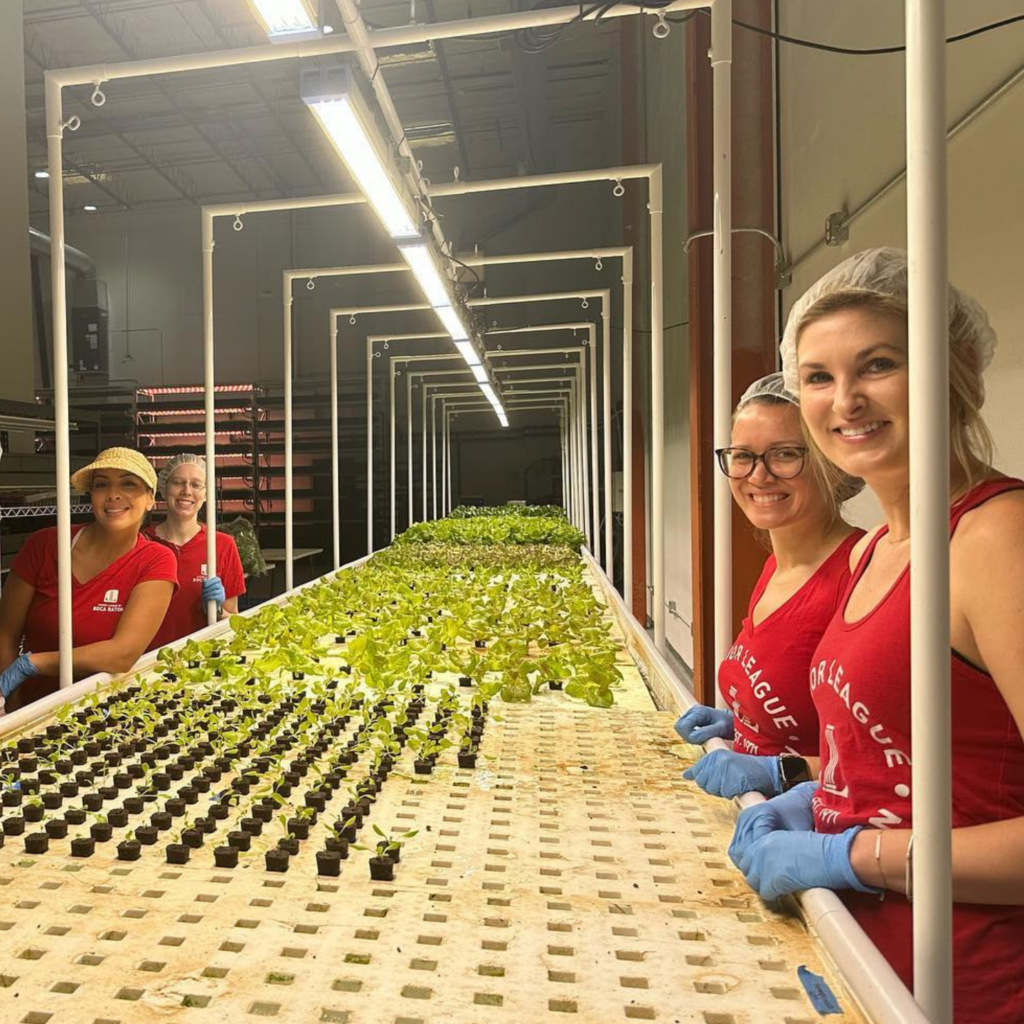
(334, 100)
(421, 262)
(286, 21)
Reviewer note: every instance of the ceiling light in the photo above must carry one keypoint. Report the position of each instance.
(489, 393)
(89, 208)
(466, 350)
(480, 373)
(502, 419)
(453, 324)
(331, 95)
(328, 30)
(285, 20)
(421, 262)
(42, 174)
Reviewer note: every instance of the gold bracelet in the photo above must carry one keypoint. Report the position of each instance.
(908, 880)
(878, 861)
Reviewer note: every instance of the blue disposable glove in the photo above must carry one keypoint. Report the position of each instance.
(790, 812)
(783, 862)
(728, 774)
(700, 723)
(213, 590)
(15, 674)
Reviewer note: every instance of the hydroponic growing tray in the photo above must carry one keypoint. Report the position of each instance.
(572, 874)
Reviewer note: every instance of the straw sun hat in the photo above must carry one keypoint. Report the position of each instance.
(126, 459)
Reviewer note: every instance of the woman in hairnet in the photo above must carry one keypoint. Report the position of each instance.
(182, 484)
(795, 499)
(845, 350)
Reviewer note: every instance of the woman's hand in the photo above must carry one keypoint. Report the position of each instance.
(701, 723)
(213, 590)
(15, 674)
(790, 812)
(725, 773)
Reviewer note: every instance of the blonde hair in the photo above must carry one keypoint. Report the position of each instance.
(970, 441)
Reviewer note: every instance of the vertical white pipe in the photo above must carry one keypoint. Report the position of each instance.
(448, 459)
(423, 446)
(444, 459)
(606, 422)
(408, 443)
(289, 504)
(433, 455)
(627, 429)
(586, 454)
(335, 467)
(561, 453)
(391, 407)
(929, 504)
(369, 446)
(210, 420)
(721, 65)
(570, 455)
(658, 598)
(595, 476)
(55, 163)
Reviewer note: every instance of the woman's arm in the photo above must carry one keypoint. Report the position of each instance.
(14, 605)
(986, 609)
(141, 618)
(229, 608)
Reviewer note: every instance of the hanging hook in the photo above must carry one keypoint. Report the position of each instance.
(598, 265)
(98, 97)
(352, 319)
(457, 172)
(376, 355)
(238, 225)
(386, 346)
(661, 26)
(73, 123)
(494, 323)
(585, 304)
(619, 190)
(498, 349)
(310, 285)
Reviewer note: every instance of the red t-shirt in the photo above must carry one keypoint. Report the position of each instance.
(860, 679)
(187, 613)
(764, 676)
(96, 606)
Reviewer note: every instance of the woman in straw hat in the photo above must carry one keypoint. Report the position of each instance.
(121, 584)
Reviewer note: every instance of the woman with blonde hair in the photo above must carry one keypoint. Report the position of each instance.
(845, 349)
(121, 584)
(182, 484)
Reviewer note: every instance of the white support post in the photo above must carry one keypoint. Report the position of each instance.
(335, 466)
(658, 600)
(289, 502)
(721, 64)
(369, 446)
(606, 419)
(448, 460)
(408, 446)
(209, 411)
(391, 408)
(423, 451)
(433, 456)
(595, 476)
(627, 430)
(928, 319)
(59, 326)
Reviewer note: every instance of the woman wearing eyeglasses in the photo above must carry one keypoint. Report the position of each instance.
(182, 483)
(796, 499)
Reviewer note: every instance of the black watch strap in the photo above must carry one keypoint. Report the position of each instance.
(793, 770)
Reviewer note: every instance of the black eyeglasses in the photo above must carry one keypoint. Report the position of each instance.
(783, 462)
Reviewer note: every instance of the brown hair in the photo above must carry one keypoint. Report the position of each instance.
(970, 442)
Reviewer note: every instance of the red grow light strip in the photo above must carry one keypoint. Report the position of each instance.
(194, 389)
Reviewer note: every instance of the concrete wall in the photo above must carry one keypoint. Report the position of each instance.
(843, 137)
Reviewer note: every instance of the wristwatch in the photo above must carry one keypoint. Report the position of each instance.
(793, 770)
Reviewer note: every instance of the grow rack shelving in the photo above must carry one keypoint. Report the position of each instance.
(572, 871)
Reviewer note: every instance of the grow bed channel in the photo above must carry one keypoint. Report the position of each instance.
(571, 871)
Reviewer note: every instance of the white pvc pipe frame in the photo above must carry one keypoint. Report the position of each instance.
(585, 295)
(927, 245)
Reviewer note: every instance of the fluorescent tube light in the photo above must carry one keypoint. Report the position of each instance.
(425, 270)
(489, 393)
(332, 97)
(285, 20)
(42, 174)
(480, 374)
(502, 419)
(467, 351)
(452, 323)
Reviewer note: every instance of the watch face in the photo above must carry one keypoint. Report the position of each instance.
(794, 769)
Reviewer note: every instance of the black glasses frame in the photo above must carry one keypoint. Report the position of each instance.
(765, 457)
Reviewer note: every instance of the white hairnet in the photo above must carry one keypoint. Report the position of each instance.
(884, 272)
(184, 459)
(772, 386)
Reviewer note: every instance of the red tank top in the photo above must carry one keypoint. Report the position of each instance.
(763, 677)
(860, 680)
